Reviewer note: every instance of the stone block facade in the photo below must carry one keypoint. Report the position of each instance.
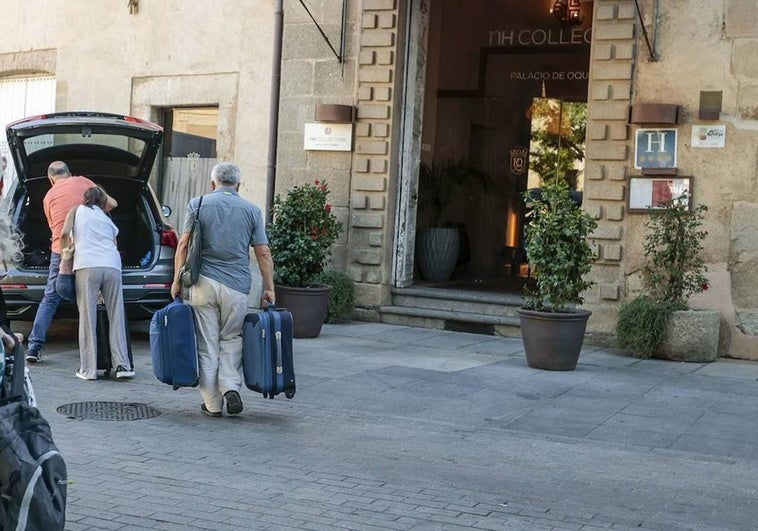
(621, 68)
(608, 150)
(371, 88)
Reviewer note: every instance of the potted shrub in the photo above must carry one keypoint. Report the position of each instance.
(301, 237)
(658, 322)
(560, 256)
(438, 245)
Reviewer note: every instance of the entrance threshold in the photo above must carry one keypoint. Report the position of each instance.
(462, 307)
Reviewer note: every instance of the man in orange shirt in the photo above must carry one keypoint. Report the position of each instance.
(67, 192)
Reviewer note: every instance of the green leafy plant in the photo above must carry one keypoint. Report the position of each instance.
(557, 248)
(674, 271)
(302, 234)
(341, 297)
(675, 267)
(641, 325)
(444, 180)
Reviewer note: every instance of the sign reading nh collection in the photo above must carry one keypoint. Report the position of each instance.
(328, 137)
(540, 37)
(655, 148)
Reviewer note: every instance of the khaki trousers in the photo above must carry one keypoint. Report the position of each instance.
(219, 314)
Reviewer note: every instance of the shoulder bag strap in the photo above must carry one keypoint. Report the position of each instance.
(197, 214)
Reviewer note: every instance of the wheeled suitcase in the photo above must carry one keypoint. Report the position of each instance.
(173, 345)
(103, 343)
(267, 352)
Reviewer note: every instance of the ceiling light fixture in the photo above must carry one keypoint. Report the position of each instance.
(568, 11)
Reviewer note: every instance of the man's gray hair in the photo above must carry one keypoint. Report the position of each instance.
(226, 174)
(57, 168)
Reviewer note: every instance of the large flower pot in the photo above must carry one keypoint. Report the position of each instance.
(308, 306)
(691, 335)
(437, 252)
(553, 341)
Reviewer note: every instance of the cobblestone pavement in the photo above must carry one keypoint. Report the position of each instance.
(413, 429)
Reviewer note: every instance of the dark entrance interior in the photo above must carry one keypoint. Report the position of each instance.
(504, 109)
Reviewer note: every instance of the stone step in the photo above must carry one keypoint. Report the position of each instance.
(502, 325)
(473, 302)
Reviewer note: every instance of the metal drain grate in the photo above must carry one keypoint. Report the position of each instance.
(108, 411)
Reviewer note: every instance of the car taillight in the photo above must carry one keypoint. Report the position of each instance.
(169, 238)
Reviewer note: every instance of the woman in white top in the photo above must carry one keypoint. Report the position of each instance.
(97, 266)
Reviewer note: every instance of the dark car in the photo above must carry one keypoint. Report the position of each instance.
(116, 152)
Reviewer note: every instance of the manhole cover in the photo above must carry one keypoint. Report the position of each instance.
(108, 411)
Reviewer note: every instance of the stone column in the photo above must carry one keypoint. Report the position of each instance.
(608, 154)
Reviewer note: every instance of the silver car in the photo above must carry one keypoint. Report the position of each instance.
(116, 152)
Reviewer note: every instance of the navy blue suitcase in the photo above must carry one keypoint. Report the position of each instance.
(173, 345)
(267, 352)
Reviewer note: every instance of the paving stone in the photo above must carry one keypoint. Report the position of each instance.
(401, 428)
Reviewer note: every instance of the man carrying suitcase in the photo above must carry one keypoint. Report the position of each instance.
(230, 226)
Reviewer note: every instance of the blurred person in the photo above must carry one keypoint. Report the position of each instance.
(66, 192)
(2, 175)
(230, 226)
(10, 253)
(97, 268)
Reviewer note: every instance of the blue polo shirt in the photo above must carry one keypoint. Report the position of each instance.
(230, 225)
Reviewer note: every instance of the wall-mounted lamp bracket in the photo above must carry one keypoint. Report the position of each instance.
(343, 114)
(654, 113)
(710, 104)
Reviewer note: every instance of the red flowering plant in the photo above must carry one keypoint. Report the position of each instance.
(302, 234)
(675, 270)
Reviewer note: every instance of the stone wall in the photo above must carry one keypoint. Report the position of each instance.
(168, 53)
(360, 180)
(698, 46)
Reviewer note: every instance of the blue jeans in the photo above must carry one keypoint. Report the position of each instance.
(47, 306)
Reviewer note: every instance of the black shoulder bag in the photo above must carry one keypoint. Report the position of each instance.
(191, 269)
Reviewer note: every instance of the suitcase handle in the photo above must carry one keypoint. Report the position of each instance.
(278, 336)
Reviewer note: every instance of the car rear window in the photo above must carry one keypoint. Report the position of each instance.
(84, 137)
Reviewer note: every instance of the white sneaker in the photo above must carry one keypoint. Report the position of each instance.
(123, 372)
(85, 377)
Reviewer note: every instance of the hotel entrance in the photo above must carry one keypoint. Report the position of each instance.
(495, 104)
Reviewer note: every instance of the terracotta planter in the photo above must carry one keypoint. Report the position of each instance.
(553, 341)
(308, 306)
(691, 335)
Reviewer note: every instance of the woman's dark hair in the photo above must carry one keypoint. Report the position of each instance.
(95, 196)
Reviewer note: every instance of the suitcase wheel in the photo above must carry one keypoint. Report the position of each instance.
(289, 394)
(107, 373)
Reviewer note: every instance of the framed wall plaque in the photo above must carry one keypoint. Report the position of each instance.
(647, 193)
